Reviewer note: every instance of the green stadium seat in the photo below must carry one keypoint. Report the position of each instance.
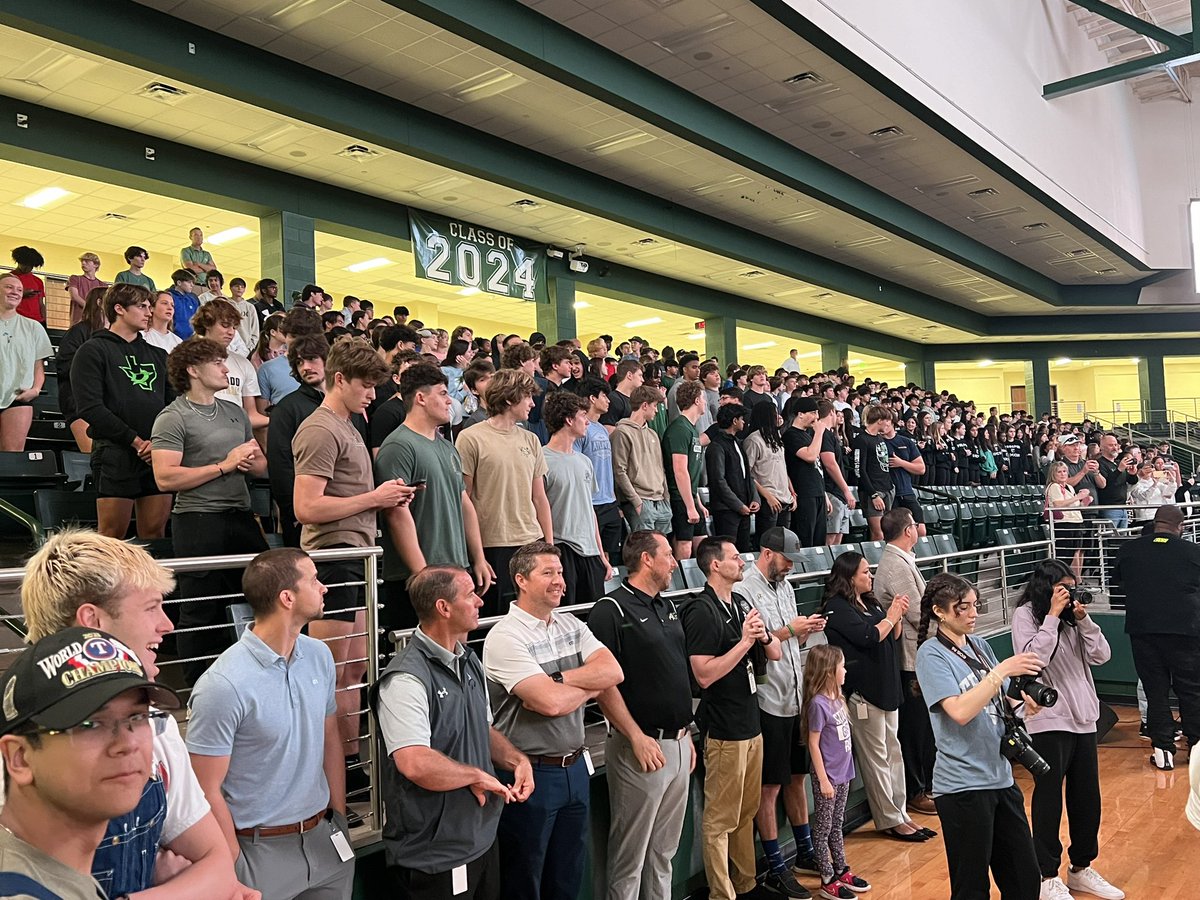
(838, 549)
(859, 530)
(872, 551)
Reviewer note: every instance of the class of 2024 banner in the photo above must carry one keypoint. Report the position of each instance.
(460, 254)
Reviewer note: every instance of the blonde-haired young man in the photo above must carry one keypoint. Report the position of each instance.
(171, 839)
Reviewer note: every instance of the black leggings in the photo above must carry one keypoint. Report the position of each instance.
(988, 829)
(1072, 759)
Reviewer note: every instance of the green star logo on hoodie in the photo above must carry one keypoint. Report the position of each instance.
(140, 374)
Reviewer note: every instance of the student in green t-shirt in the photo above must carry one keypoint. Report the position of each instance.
(683, 460)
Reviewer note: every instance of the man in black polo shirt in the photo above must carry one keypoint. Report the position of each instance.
(801, 453)
(649, 752)
(1159, 574)
(722, 639)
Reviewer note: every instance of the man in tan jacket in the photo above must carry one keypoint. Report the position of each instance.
(898, 575)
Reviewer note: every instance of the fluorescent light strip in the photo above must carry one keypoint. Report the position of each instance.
(45, 197)
(763, 346)
(639, 323)
(621, 141)
(229, 235)
(366, 265)
(581, 304)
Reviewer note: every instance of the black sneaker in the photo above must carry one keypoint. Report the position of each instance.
(783, 884)
(805, 864)
(1142, 732)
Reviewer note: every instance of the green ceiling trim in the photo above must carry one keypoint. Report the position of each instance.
(782, 11)
(1124, 71)
(131, 33)
(647, 289)
(1133, 23)
(1043, 350)
(520, 33)
(92, 149)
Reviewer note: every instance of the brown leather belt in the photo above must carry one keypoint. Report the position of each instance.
(279, 830)
(663, 734)
(561, 762)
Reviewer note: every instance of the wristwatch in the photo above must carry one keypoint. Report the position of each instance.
(557, 677)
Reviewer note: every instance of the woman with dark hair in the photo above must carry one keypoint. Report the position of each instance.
(91, 319)
(33, 295)
(868, 635)
(271, 342)
(981, 808)
(764, 457)
(975, 462)
(1048, 622)
(458, 357)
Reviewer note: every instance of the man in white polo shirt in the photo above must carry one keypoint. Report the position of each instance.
(542, 666)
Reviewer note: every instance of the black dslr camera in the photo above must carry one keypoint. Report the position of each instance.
(1079, 595)
(1041, 694)
(1017, 746)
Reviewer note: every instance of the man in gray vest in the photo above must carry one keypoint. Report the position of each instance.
(442, 796)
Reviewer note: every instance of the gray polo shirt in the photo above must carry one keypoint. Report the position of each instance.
(267, 714)
(520, 646)
(776, 603)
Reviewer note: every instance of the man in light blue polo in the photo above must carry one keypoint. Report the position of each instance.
(264, 741)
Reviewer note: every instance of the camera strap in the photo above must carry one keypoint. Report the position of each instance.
(976, 664)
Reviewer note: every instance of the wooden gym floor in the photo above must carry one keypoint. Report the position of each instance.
(1147, 846)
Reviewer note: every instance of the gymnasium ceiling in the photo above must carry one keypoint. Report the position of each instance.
(941, 246)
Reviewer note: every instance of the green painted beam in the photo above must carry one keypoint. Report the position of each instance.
(784, 11)
(133, 34)
(1114, 349)
(1133, 23)
(1099, 323)
(1122, 71)
(653, 291)
(518, 32)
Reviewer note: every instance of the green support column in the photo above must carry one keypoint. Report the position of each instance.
(1152, 389)
(556, 319)
(289, 252)
(1037, 386)
(834, 356)
(720, 340)
(921, 373)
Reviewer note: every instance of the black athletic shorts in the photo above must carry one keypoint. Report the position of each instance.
(342, 601)
(910, 503)
(785, 751)
(119, 472)
(681, 528)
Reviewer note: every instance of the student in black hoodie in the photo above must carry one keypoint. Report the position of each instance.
(120, 384)
(731, 489)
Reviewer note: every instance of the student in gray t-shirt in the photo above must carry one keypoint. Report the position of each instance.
(570, 484)
(203, 450)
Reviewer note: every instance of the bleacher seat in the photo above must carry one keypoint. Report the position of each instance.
(78, 469)
(21, 476)
(815, 559)
(838, 549)
(944, 543)
(692, 576)
(858, 525)
(57, 509)
(872, 551)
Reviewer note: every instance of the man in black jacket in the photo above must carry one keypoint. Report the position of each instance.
(120, 385)
(730, 486)
(1159, 574)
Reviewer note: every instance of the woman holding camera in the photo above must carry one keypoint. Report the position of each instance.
(965, 688)
(1050, 623)
(868, 637)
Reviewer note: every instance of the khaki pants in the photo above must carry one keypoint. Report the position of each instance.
(732, 791)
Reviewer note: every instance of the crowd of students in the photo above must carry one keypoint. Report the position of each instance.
(507, 477)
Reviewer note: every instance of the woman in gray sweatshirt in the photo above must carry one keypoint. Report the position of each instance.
(1048, 622)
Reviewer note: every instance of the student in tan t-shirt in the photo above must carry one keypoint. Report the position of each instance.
(503, 469)
(336, 501)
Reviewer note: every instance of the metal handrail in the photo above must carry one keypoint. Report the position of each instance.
(12, 577)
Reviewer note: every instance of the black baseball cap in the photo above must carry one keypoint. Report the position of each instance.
(65, 677)
(806, 404)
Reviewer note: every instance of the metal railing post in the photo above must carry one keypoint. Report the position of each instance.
(374, 771)
(1003, 584)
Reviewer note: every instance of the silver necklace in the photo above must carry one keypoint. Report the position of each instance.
(208, 417)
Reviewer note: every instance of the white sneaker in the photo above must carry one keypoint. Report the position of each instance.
(1092, 882)
(1054, 889)
(1163, 759)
